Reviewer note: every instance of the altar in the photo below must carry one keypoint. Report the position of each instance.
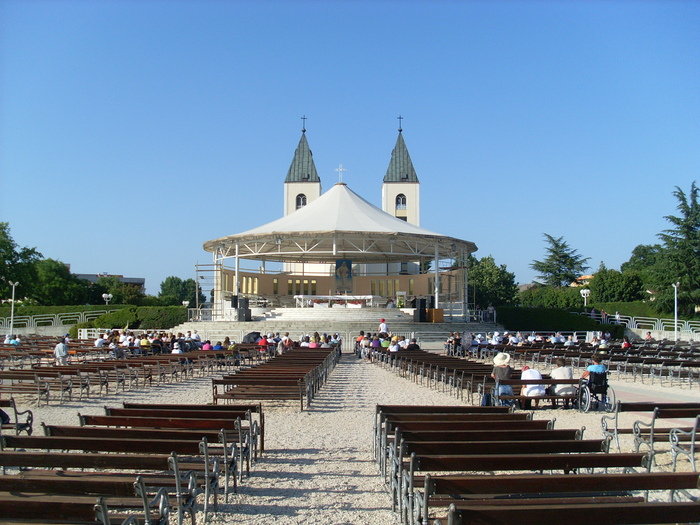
(338, 301)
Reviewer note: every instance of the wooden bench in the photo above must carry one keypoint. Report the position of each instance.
(452, 421)
(685, 443)
(577, 513)
(23, 421)
(25, 383)
(403, 487)
(166, 471)
(438, 492)
(648, 435)
(248, 430)
(33, 504)
(516, 384)
(610, 423)
(233, 469)
(208, 410)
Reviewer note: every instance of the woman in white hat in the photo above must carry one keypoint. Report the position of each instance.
(502, 370)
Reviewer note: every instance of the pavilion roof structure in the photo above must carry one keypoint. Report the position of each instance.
(339, 225)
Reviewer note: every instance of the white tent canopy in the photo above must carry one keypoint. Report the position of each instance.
(339, 225)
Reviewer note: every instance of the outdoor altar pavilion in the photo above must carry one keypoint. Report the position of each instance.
(339, 245)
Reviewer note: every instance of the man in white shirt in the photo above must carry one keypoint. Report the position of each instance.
(532, 390)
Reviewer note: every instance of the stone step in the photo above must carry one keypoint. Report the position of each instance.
(217, 330)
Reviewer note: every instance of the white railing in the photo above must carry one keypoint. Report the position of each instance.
(68, 318)
(645, 323)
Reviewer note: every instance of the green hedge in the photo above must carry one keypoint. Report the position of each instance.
(551, 320)
(138, 318)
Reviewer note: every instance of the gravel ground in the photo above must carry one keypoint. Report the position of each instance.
(318, 464)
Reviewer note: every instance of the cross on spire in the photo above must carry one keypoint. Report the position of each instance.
(400, 118)
(303, 126)
(340, 171)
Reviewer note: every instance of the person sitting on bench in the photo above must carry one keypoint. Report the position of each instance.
(561, 371)
(531, 390)
(502, 370)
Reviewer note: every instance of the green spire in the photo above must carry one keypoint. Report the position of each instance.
(400, 167)
(303, 168)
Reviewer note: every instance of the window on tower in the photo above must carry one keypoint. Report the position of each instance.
(301, 201)
(400, 201)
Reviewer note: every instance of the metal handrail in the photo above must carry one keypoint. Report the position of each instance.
(67, 318)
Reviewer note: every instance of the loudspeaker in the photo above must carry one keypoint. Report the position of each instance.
(242, 314)
(234, 301)
(420, 314)
(243, 302)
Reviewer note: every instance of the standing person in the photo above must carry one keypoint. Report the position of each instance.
(466, 343)
(60, 352)
(457, 343)
(383, 328)
(502, 370)
(491, 313)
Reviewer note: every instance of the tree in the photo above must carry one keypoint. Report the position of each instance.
(56, 286)
(16, 265)
(611, 286)
(490, 283)
(539, 296)
(173, 291)
(644, 257)
(681, 262)
(563, 264)
(122, 293)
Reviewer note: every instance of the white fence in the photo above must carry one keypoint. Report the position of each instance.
(34, 321)
(651, 324)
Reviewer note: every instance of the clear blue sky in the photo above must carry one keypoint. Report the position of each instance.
(133, 131)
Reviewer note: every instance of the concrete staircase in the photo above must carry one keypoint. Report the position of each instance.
(346, 321)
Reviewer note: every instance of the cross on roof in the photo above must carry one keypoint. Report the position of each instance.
(340, 171)
(303, 127)
(400, 118)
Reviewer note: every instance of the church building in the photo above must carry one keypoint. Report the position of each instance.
(337, 243)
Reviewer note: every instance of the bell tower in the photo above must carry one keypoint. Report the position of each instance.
(401, 188)
(302, 184)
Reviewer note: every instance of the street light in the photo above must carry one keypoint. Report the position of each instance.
(12, 308)
(185, 303)
(107, 297)
(675, 310)
(585, 293)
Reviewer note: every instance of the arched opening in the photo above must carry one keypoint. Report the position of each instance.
(400, 201)
(301, 201)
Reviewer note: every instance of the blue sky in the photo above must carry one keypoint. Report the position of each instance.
(133, 131)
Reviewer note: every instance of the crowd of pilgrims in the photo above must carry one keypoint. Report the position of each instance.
(468, 343)
(122, 343)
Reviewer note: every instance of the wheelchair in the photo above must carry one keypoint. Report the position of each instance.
(596, 393)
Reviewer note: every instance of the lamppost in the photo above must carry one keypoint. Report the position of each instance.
(107, 297)
(675, 310)
(12, 307)
(585, 293)
(185, 303)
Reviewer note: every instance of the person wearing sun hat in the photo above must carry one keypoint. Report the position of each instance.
(502, 370)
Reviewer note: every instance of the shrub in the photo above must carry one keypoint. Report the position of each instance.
(551, 320)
